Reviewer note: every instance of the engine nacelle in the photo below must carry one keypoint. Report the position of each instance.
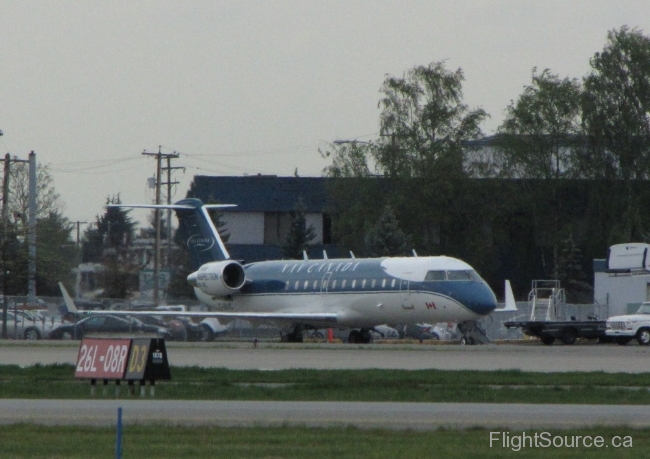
(219, 278)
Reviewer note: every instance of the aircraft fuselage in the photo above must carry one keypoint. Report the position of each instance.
(363, 292)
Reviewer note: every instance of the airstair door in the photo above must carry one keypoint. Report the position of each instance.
(405, 293)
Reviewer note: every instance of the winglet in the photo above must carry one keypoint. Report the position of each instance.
(68, 300)
(511, 305)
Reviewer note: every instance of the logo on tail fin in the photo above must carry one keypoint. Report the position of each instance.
(200, 243)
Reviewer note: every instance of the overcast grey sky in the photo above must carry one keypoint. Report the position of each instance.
(247, 87)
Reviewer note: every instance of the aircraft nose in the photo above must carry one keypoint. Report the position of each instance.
(482, 300)
(191, 279)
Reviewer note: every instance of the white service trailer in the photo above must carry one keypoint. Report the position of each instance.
(625, 282)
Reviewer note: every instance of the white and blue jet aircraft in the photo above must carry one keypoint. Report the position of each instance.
(298, 295)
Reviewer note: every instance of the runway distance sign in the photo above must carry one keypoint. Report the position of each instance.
(102, 358)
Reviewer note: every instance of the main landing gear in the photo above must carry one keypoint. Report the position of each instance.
(362, 336)
(294, 336)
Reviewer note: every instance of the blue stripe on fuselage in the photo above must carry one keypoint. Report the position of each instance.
(308, 277)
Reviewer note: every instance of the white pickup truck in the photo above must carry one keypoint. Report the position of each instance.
(625, 328)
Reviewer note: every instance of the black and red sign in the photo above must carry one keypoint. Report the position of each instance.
(122, 358)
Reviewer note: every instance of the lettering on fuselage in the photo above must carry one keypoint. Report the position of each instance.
(320, 267)
(430, 305)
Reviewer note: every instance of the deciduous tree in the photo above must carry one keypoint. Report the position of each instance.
(616, 117)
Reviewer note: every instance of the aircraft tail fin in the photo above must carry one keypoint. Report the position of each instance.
(195, 229)
(511, 304)
(68, 300)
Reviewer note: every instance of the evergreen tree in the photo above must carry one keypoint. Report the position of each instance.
(108, 243)
(386, 238)
(114, 229)
(300, 235)
(570, 273)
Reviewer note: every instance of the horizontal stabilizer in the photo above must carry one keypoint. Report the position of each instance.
(171, 206)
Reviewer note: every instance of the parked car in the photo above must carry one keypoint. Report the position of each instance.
(187, 329)
(428, 331)
(211, 328)
(25, 324)
(106, 324)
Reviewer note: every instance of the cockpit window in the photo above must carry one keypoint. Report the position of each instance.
(436, 276)
(459, 276)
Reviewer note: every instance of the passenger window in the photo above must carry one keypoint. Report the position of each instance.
(458, 276)
(354, 283)
(392, 284)
(315, 284)
(286, 285)
(383, 283)
(295, 287)
(334, 284)
(343, 283)
(363, 283)
(435, 276)
(374, 282)
(306, 285)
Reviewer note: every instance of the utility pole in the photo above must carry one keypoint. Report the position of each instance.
(156, 256)
(5, 242)
(31, 235)
(78, 224)
(5, 193)
(169, 184)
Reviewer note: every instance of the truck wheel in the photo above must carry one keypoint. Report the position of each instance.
(569, 336)
(643, 336)
(623, 341)
(547, 339)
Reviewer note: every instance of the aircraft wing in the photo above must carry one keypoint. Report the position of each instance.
(310, 317)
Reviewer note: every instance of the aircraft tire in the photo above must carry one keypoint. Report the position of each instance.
(354, 337)
(206, 333)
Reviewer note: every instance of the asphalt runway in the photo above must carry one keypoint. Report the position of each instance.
(276, 356)
(417, 416)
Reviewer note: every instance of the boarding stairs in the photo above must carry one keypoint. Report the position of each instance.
(547, 300)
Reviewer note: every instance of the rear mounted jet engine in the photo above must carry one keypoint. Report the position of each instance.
(219, 278)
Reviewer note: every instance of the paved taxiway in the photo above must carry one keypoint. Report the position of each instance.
(275, 356)
(421, 416)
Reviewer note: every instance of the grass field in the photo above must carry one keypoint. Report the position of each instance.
(164, 441)
(512, 386)
(28, 441)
